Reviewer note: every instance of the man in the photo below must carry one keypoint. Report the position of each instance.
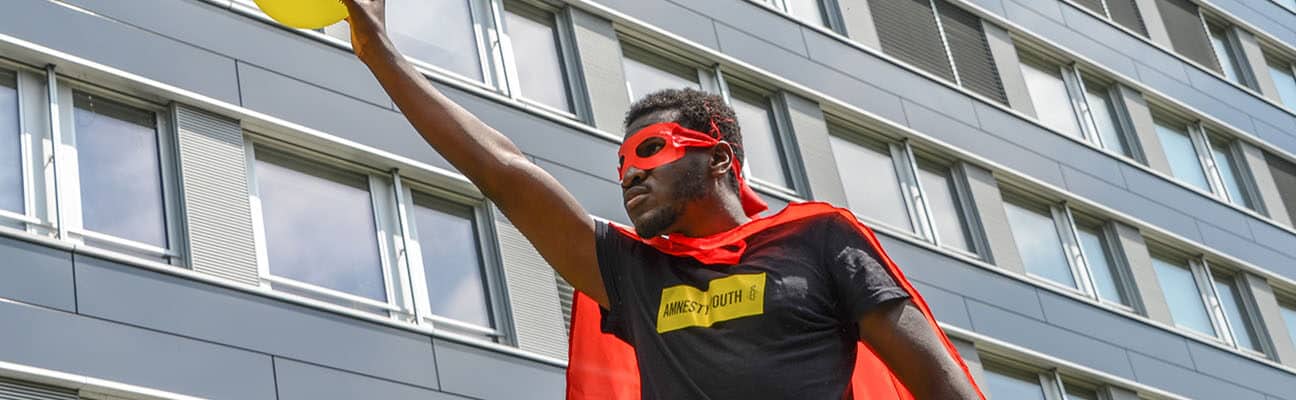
(723, 306)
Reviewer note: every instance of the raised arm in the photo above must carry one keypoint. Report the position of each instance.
(903, 339)
(532, 199)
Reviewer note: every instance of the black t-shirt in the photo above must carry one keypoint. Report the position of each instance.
(780, 324)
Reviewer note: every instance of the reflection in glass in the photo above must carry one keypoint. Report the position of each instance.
(1231, 301)
(1039, 245)
(807, 10)
(760, 143)
(947, 215)
(1186, 304)
(1288, 312)
(871, 184)
(1180, 152)
(436, 32)
(451, 261)
(11, 179)
(642, 79)
(120, 173)
(319, 227)
(1285, 79)
(1004, 386)
(1224, 54)
(1048, 94)
(1100, 265)
(539, 60)
(1229, 173)
(1101, 108)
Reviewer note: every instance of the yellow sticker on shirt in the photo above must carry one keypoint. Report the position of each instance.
(727, 298)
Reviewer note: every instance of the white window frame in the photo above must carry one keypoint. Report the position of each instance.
(400, 257)
(1201, 138)
(30, 219)
(1051, 381)
(1078, 95)
(917, 209)
(1203, 277)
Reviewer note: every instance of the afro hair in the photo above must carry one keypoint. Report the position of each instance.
(698, 110)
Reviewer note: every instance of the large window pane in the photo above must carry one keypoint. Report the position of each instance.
(872, 186)
(1038, 243)
(1104, 118)
(643, 78)
(1285, 79)
(1099, 259)
(1288, 312)
(760, 140)
(1048, 94)
(436, 32)
(807, 10)
(1224, 53)
(452, 261)
(539, 59)
(119, 169)
(941, 198)
(1231, 301)
(1182, 155)
(1231, 175)
(1007, 385)
(11, 179)
(1181, 293)
(319, 226)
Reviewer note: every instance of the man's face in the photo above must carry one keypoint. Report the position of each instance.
(655, 199)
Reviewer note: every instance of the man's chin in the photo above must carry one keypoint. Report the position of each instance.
(653, 223)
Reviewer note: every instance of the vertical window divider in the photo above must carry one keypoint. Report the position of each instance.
(1086, 279)
(487, 42)
(1201, 143)
(578, 86)
(409, 252)
(922, 211)
(1059, 386)
(380, 229)
(258, 215)
(900, 161)
(1075, 81)
(1106, 9)
(1206, 285)
(25, 140)
(949, 53)
(1206, 30)
(51, 79)
(503, 48)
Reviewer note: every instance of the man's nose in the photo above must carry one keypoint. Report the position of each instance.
(632, 176)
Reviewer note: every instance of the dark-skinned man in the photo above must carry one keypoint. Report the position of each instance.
(715, 304)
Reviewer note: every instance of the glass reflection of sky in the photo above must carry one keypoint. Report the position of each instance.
(999, 386)
(1103, 275)
(452, 263)
(320, 231)
(1228, 297)
(436, 32)
(121, 176)
(944, 207)
(535, 46)
(1186, 307)
(642, 79)
(760, 150)
(11, 180)
(872, 187)
(1182, 156)
(1038, 242)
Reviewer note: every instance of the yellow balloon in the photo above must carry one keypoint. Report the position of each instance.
(304, 14)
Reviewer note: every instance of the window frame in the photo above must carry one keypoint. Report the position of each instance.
(1076, 80)
(829, 14)
(914, 197)
(404, 279)
(1052, 382)
(1066, 226)
(1273, 57)
(28, 219)
(1202, 138)
(1203, 275)
(1248, 310)
(1232, 49)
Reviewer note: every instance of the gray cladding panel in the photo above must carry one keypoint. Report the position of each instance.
(1040, 336)
(1241, 371)
(300, 381)
(219, 216)
(1270, 17)
(1186, 382)
(1050, 144)
(947, 306)
(133, 50)
(672, 17)
(983, 143)
(755, 20)
(923, 265)
(1020, 13)
(1116, 329)
(1157, 214)
(36, 274)
(487, 375)
(599, 196)
(181, 306)
(106, 350)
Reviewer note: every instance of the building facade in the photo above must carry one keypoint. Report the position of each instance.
(1095, 196)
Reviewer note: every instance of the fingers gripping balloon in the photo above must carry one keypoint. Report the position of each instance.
(663, 143)
(304, 14)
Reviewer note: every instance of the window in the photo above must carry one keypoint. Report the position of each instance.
(1123, 12)
(888, 183)
(1074, 104)
(1288, 311)
(1226, 53)
(1290, 4)
(1205, 160)
(1207, 300)
(456, 278)
(320, 228)
(810, 11)
(1187, 29)
(1180, 285)
(763, 154)
(1284, 77)
(1067, 248)
(1284, 174)
(1231, 304)
(1228, 172)
(1185, 164)
(11, 169)
(645, 74)
(509, 46)
(940, 38)
(1006, 384)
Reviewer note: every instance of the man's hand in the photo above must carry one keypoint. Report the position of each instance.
(368, 20)
(901, 336)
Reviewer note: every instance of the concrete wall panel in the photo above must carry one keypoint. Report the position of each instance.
(36, 274)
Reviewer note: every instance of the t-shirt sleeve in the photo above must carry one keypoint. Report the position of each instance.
(614, 249)
(856, 270)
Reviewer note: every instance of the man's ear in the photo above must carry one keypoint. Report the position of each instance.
(722, 159)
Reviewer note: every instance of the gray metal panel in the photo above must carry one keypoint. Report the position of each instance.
(463, 370)
(193, 309)
(1110, 327)
(533, 298)
(1039, 336)
(1263, 176)
(36, 274)
(1083, 42)
(947, 306)
(1271, 319)
(600, 62)
(15, 390)
(1187, 382)
(107, 350)
(1242, 371)
(1035, 139)
(988, 201)
(103, 40)
(218, 215)
(858, 17)
(811, 131)
(756, 20)
(300, 381)
(985, 143)
(599, 196)
(1009, 65)
(1133, 248)
(671, 17)
(971, 282)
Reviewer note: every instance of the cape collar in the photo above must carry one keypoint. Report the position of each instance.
(728, 247)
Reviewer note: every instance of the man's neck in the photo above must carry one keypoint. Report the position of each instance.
(712, 216)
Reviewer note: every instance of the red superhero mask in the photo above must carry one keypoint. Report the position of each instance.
(674, 143)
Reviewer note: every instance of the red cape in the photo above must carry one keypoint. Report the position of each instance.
(602, 367)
